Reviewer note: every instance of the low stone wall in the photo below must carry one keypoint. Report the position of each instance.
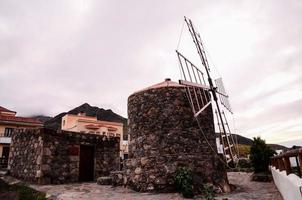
(56, 155)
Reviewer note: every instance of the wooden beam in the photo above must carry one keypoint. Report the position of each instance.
(281, 164)
(298, 168)
(300, 162)
(290, 153)
(287, 165)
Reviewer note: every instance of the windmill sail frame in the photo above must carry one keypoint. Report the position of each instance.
(199, 91)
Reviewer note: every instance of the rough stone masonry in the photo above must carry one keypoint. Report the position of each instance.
(46, 156)
(164, 136)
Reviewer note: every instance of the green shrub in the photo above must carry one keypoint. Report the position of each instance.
(244, 163)
(24, 192)
(183, 182)
(260, 155)
(208, 191)
(27, 193)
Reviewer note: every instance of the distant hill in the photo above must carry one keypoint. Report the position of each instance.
(93, 111)
(243, 140)
(277, 147)
(247, 141)
(41, 118)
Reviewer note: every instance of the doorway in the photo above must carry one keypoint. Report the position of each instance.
(86, 168)
(5, 151)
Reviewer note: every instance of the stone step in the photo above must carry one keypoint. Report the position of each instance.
(104, 180)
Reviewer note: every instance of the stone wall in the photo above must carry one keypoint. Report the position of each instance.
(59, 155)
(164, 136)
(26, 150)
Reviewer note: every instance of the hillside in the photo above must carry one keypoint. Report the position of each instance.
(41, 118)
(247, 141)
(93, 111)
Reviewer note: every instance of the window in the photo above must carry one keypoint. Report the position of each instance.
(63, 122)
(125, 137)
(125, 156)
(8, 132)
(104, 133)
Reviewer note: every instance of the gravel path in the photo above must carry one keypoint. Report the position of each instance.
(91, 191)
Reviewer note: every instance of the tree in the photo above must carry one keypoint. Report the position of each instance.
(260, 155)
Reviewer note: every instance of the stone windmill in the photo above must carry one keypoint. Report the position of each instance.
(168, 131)
(194, 80)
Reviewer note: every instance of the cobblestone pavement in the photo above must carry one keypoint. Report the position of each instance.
(91, 191)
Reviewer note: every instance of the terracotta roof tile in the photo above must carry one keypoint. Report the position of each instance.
(5, 110)
(20, 119)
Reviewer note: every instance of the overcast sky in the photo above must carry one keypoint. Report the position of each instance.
(56, 55)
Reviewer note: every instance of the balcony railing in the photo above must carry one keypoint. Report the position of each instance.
(5, 135)
(5, 140)
(290, 161)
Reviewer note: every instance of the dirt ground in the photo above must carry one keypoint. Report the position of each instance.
(246, 189)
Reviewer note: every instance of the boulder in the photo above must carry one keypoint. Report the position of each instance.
(117, 178)
(104, 180)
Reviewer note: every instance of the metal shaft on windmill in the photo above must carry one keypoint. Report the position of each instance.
(202, 55)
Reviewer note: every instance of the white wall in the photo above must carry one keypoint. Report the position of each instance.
(290, 186)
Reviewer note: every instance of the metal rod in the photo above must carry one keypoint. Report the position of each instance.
(181, 66)
(205, 95)
(191, 100)
(186, 59)
(229, 130)
(200, 111)
(220, 133)
(196, 80)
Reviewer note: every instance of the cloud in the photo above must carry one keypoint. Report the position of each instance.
(56, 55)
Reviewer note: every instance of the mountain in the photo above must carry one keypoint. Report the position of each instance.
(93, 111)
(277, 147)
(242, 140)
(247, 141)
(41, 118)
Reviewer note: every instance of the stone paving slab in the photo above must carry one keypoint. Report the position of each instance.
(246, 189)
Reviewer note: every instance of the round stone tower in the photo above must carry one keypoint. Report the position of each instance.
(164, 136)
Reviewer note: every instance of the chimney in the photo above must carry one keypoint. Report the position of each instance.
(82, 114)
